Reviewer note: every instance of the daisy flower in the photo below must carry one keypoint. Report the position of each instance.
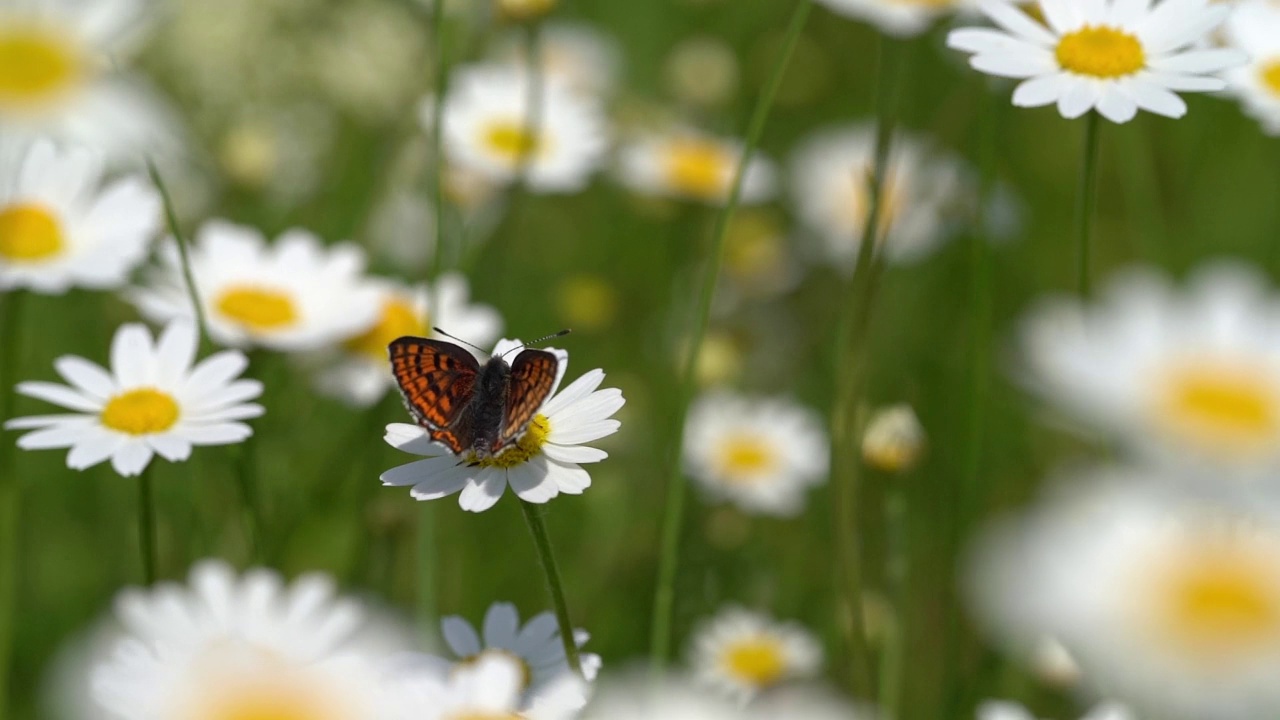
(1254, 28)
(1008, 710)
(760, 454)
(294, 295)
(487, 129)
(535, 647)
(488, 689)
(898, 18)
(1189, 377)
(58, 76)
(894, 439)
(1115, 56)
(579, 55)
(151, 402)
(543, 463)
(922, 194)
(644, 697)
(362, 376)
(1174, 602)
(690, 165)
(228, 647)
(62, 226)
(743, 653)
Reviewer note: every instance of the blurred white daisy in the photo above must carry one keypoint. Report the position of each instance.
(228, 647)
(1115, 56)
(760, 454)
(487, 129)
(1254, 28)
(829, 185)
(59, 76)
(490, 688)
(1009, 710)
(1187, 376)
(809, 702)
(1173, 604)
(691, 165)
(535, 647)
(743, 653)
(62, 226)
(543, 463)
(152, 402)
(362, 376)
(294, 295)
(578, 55)
(894, 439)
(900, 18)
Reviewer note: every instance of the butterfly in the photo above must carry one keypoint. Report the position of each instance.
(466, 406)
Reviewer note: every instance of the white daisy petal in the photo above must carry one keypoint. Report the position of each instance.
(87, 377)
(58, 395)
(462, 638)
(483, 491)
(131, 458)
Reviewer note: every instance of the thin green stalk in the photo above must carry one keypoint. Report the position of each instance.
(1086, 203)
(184, 254)
(892, 665)
(10, 485)
(147, 526)
(851, 360)
(542, 543)
(664, 598)
(437, 138)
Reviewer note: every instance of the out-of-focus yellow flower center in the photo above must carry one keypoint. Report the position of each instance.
(1219, 597)
(268, 701)
(525, 9)
(754, 247)
(758, 661)
(1222, 407)
(37, 65)
(588, 302)
(141, 412)
(258, 308)
(526, 673)
(854, 210)
(699, 168)
(529, 445)
(512, 140)
(1102, 52)
(29, 233)
(1271, 75)
(398, 319)
(744, 458)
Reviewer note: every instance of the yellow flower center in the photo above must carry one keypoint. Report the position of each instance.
(1102, 52)
(525, 9)
(1219, 597)
(398, 319)
(759, 661)
(260, 309)
(141, 412)
(587, 302)
(1271, 76)
(527, 447)
(29, 233)
(744, 458)
(699, 168)
(526, 673)
(37, 65)
(1222, 406)
(512, 140)
(754, 247)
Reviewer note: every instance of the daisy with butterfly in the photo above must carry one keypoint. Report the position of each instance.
(481, 429)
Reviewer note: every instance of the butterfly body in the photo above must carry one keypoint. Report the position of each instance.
(469, 408)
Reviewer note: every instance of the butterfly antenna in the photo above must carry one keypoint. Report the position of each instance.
(455, 337)
(540, 340)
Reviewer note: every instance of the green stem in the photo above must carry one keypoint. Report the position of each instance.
(542, 543)
(892, 667)
(147, 526)
(10, 485)
(1086, 202)
(184, 254)
(664, 598)
(437, 138)
(851, 360)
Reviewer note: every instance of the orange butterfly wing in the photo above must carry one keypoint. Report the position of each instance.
(436, 379)
(532, 375)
